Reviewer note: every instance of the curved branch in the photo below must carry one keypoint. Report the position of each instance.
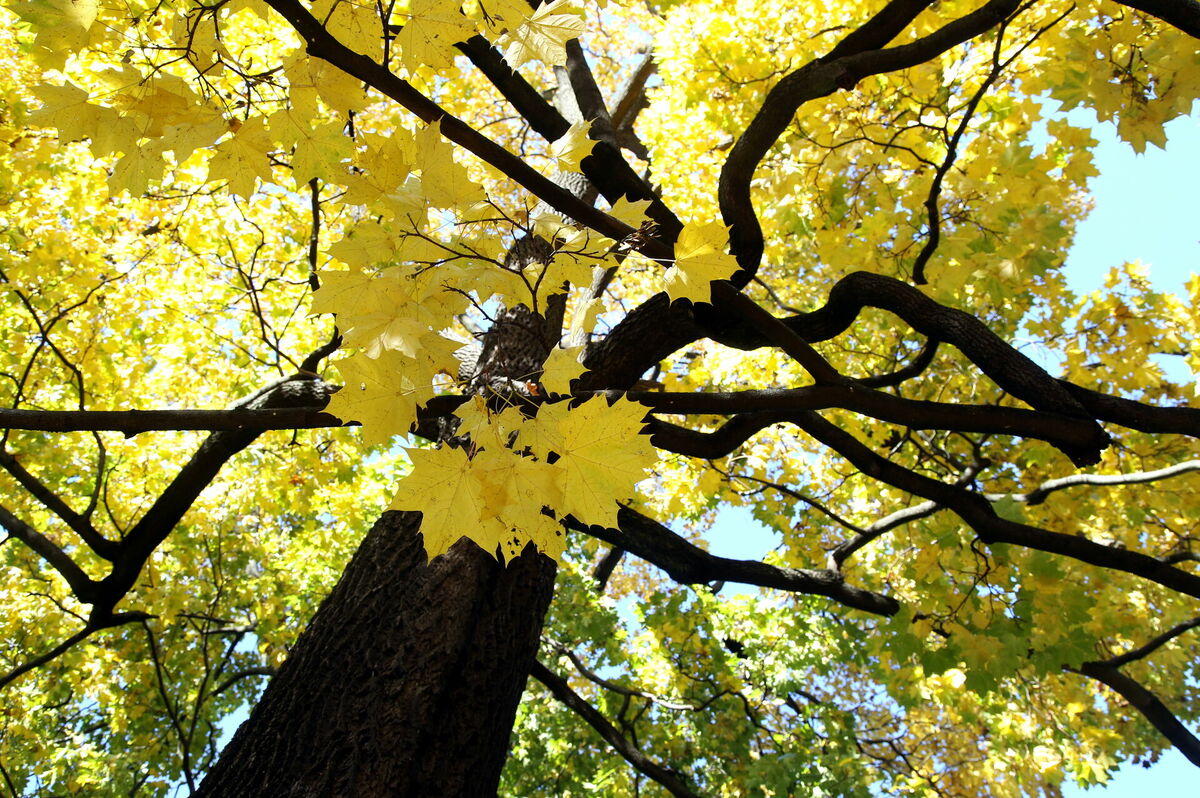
(79, 523)
(671, 781)
(1144, 701)
(119, 619)
(1135, 415)
(264, 670)
(855, 58)
(690, 565)
(977, 512)
(1182, 14)
(82, 586)
(1039, 494)
(597, 679)
(1065, 433)
(610, 173)
(604, 569)
(166, 511)
(914, 369)
(1141, 652)
(713, 445)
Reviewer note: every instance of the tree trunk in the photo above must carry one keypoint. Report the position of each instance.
(405, 683)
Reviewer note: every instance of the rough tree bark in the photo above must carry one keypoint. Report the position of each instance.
(406, 682)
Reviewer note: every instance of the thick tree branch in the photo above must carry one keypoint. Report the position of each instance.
(977, 512)
(321, 44)
(605, 168)
(1064, 433)
(690, 565)
(166, 511)
(604, 569)
(718, 443)
(132, 422)
(82, 586)
(558, 687)
(1183, 14)
(778, 333)
(1144, 701)
(657, 328)
(852, 60)
(99, 544)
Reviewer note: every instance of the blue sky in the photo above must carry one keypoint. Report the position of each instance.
(1145, 210)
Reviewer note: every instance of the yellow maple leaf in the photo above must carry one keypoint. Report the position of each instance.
(497, 17)
(430, 30)
(355, 24)
(632, 213)
(601, 450)
(317, 151)
(379, 394)
(562, 366)
(67, 109)
(242, 157)
(543, 36)
(700, 258)
(572, 147)
(444, 181)
(62, 27)
(384, 162)
(310, 78)
(528, 486)
(445, 487)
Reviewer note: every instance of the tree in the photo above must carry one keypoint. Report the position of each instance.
(611, 271)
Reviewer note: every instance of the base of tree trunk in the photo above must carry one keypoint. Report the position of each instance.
(406, 682)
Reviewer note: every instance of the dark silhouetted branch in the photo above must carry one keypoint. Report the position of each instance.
(690, 565)
(671, 781)
(132, 422)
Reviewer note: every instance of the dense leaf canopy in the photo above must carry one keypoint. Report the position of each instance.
(599, 274)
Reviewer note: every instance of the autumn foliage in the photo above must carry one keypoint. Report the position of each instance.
(580, 280)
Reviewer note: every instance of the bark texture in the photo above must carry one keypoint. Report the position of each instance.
(405, 683)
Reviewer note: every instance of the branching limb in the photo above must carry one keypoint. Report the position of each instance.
(604, 569)
(321, 44)
(688, 564)
(914, 369)
(79, 523)
(977, 512)
(1141, 652)
(932, 210)
(1064, 433)
(855, 58)
(777, 333)
(84, 588)
(558, 687)
(597, 679)
(605, 168)
(245, 673)
(158, 521)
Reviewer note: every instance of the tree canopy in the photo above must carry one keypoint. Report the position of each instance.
(572, 280)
